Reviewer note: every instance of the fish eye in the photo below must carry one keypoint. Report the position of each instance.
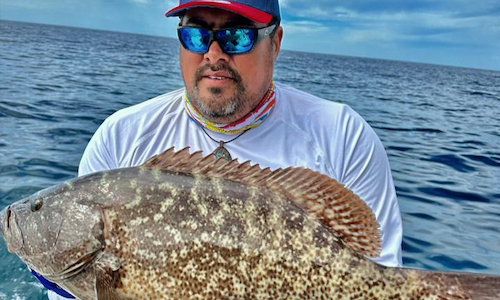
(36, 204)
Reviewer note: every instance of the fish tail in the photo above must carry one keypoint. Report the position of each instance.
(466, 285)
(479, 287)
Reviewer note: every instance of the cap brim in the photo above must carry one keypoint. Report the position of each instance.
(237, 8)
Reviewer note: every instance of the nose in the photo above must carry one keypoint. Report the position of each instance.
(215, 53)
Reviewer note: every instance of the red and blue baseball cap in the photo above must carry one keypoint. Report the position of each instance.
(259, 11)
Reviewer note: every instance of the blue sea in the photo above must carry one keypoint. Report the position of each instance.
(440, 126)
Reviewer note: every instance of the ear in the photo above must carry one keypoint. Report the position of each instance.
(181, 19)
(278, 37)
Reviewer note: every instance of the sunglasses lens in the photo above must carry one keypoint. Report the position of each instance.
(195, 39)
(234, 41)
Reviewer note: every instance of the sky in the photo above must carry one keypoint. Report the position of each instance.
(462, 33)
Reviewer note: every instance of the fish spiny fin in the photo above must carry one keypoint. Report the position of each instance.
(337, 207)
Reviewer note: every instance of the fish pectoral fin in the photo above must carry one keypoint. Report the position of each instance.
(107, 277)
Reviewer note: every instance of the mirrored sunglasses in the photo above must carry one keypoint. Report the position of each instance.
(231, 40)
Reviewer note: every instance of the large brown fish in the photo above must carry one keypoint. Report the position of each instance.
(187, 227)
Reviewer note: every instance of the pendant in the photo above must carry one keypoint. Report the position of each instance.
(222, 152)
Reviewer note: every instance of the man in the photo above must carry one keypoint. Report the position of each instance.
(232, 108)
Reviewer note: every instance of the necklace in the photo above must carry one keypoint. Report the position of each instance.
(222, 152)
(251, 120)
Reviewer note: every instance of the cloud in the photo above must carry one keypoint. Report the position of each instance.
(169, 4)
(363, 35)
(293, 27)
(34, 5)
(450, 22)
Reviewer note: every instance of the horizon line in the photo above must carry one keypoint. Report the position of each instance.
(289, 50)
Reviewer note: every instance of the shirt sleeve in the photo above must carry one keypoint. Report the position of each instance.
(97, 156)
(366, 171)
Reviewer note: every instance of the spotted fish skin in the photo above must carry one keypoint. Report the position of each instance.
(215, 238)
(172, 235)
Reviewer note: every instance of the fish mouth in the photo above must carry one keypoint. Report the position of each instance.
(4, 220)
(10, 230)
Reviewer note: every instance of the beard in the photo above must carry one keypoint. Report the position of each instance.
(215, 105)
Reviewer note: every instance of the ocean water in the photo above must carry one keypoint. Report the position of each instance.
(440, 126)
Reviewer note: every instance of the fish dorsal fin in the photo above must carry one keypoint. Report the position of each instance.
(337, 207)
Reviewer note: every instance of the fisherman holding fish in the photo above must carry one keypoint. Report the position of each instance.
(232, 108)
(235, 187)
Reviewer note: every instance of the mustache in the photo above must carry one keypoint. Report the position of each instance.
(214, 68)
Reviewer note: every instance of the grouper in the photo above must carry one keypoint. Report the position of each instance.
(183, 226)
